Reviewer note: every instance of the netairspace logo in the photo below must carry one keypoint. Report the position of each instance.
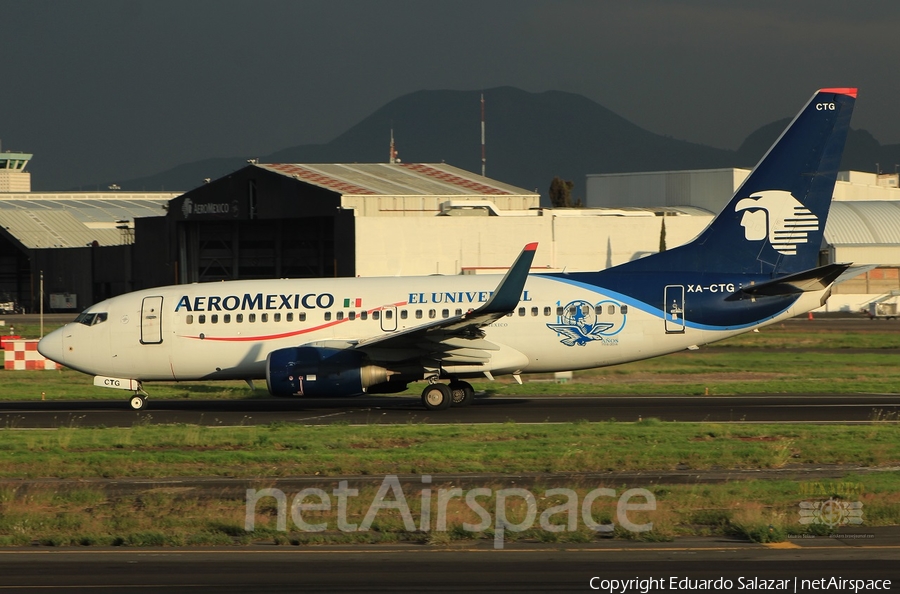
(314, 499)
(832, 512)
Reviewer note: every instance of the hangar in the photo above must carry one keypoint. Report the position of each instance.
(303, 220)
(79, 241)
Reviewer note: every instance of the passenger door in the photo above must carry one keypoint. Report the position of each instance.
(151, 320)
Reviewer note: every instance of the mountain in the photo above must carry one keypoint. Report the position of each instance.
(531, 137)
(862, 152)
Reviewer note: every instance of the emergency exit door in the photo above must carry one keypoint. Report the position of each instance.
(151, 320)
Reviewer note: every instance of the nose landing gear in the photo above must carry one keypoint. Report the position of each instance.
(139, 398)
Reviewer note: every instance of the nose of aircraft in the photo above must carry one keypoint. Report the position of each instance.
(51, 346)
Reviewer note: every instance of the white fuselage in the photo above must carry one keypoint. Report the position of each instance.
(226, 330)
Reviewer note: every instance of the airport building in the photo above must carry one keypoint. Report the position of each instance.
(382, 219)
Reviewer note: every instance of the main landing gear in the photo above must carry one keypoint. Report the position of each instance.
(439, 396)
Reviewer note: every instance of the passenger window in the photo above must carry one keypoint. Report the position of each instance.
(189, 319)
(201, 318)
(340, 315)
(521, 311)
(302, 316)
(251, 318)
(364, 315)
(276, 317)
(458, 312)
(445, 313)
(239, 318)
(404, 314)
(327, 316)
(376, 315)
(289, 317)
(624, 309)
(214, 319)
(611, 309)
(547, 311)
(264, 317)
(559, 311)
(418, 314)
(534, 311)
(389, 314)
(352, 315)
(226, 318)
(432, 313)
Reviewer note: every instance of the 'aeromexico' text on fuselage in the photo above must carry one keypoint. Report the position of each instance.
(291, 301)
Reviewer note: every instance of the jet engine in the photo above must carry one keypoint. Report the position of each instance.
(315, 371)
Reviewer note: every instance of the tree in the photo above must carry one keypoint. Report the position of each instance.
(561, 193)
(662, 234)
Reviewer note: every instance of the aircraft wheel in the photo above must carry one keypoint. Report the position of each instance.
(437, 397)
(137, 402)
(463, 393)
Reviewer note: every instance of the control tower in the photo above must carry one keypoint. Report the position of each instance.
(13, 177)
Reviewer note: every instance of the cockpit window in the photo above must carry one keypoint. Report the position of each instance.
(91, 318)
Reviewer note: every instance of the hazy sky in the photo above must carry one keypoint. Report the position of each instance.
(109, 90)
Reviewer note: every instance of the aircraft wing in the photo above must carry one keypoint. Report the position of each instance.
(458, 339)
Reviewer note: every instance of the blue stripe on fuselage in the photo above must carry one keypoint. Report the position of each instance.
(703, 311)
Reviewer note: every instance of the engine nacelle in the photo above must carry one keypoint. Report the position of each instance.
(314, 371)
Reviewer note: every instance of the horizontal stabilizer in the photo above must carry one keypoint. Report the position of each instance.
(817, 279)
(853, 272)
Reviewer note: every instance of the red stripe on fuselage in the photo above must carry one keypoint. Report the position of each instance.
(288, 334)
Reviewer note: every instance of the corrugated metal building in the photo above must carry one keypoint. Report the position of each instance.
(301, 220)
(81, 242)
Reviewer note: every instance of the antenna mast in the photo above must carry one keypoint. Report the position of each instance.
(393, 156)
(483, 159)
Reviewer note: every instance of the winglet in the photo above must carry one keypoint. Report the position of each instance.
(507, 294)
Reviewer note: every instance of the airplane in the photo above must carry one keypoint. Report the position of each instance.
(755, 264)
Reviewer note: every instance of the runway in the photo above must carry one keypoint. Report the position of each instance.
(528, 567)
(809, 408)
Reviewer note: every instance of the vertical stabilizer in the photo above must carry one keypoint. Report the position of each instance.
(775, 221)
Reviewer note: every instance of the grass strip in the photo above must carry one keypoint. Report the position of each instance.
(758, 510)
(283, 449)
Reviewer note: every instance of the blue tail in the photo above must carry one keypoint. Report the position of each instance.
(774, 223)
